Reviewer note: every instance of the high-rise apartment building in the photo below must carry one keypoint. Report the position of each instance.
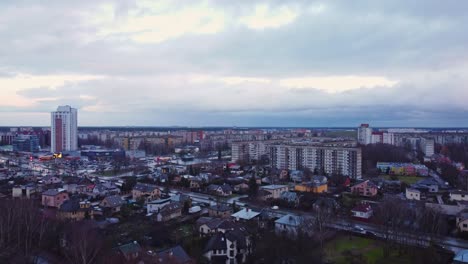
(64, 129)
(331, 158)
(364, 134)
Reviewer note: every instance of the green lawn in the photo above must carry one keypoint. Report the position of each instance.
(406, 179)
(361, 250)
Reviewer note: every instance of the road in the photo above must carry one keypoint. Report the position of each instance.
(453, 244)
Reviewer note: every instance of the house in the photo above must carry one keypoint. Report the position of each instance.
(241, 187)
(362, 212)
(112, 203)
(175, 255)
(234, 246)
(106, 188)
(24, 191)
(462, 221)
(291, 198)
(181, 198)
(413, 194)
(195, 182)
(75, 210)
(50, 179)
(209, 225)
(220, 210)
(54, 198)
(428, 185)
(245, 214)
(169, 212)
(366, 188)
(145, 191)
(275, 190)
(318, 184)
(288, 225)
(220, 190)
(130, 251)
(458, 196)
(156, 205)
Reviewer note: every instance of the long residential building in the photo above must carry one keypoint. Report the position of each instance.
(343, 158)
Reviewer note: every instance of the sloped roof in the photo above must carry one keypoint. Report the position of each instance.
(173, 255)
(114, 201)
(289, 220)
(246, 214)
(145, 187)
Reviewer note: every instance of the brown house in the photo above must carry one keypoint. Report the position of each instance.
(220, 210)
(54, 198)
(112, 203)
(145, 191)
(75, 210)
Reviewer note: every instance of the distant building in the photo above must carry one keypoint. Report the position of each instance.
(413, 194)
(54, 198)
(319, 184)
(289, 225)
(26, 143)
(364, 134)
(64, 126)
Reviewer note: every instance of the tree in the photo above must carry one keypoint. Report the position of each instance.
(253, 187)
(82, 244)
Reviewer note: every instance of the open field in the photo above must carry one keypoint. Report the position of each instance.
(406, 179)
(352, 249)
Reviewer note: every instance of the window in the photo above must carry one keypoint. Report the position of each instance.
(465, 225)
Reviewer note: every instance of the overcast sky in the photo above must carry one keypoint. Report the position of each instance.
(235, 63)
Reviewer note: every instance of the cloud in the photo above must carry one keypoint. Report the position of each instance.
(235, 62)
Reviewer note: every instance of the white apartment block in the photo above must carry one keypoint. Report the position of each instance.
(325, 159)
(364, 134)
(64, 128)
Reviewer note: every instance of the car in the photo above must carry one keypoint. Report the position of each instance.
(359, 230)
(275, 207)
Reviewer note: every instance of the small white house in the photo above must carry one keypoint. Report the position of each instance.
(458, 196)
(413, 194)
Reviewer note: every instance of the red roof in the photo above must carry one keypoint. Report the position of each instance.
(364, 208)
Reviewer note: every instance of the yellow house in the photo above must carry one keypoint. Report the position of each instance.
(319, 184)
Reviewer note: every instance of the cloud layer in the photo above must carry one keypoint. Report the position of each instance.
(244, 63)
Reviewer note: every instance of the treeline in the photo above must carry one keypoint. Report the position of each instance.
(456, 152)
(373, 153)
(27, 234)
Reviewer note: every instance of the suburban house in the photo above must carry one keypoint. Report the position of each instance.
(156, 205)
(75, 210)
(428, 185)
(50, 179)
(366, 188)
(24, 191)
(275, 190)
(291, 198)
(195, 182)
(209, 225)
(169, 212)
(318, 184)
(413, 194)
(458, 196)
(130, 252)
(106, 188)
(234, 246)
(245, 214)
(112, 203)
(288, 225)
(220, 190)
(54, 198)
(175, 255)
(145, 191)
(220, 210)
(362, 212)
(462, 221)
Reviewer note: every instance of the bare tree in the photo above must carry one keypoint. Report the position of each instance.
(82, 244)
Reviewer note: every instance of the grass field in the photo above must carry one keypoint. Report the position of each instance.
(406, 179)
(346, 249)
